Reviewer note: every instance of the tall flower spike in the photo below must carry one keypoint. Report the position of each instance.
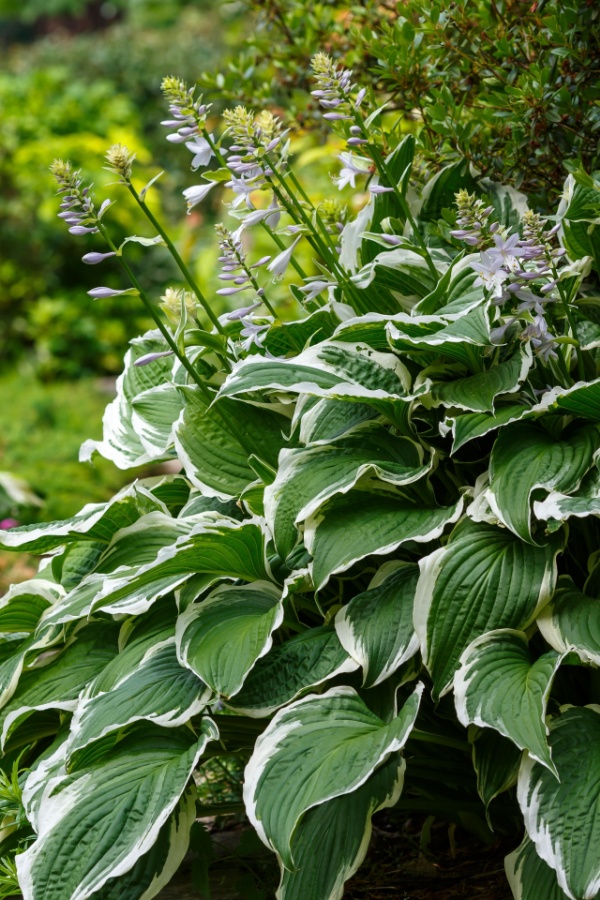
(120, 161)
(77, 207)
(253, 138)
(473, 218)
(235, 268)
(334, 86)
(188, 113)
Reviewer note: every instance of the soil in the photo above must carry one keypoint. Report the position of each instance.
(452, 866)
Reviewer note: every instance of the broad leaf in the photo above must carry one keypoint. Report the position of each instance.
(483, 579)
(221, 638)
(213, 457)
(529, 877)
(158, 690)
(526, 458)
(501, 686)
(496, 762)
(326, 420)
(570, 622)
(98, 821)
(479, 392)
(361, 523)
(376, 627)
(461, 340)
(584, 502)
(154, 413)
(289, 669)
(316, 749)
(307, 478)
(332, 839)
(561, 816)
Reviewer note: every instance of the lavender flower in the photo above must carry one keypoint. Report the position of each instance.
(508, 251)
(196, 194)
(351, 167)
(473, 218)
(92, 259)
(202, 150)
(102, 293)
(77, 207)
(491, 274)
(334, 89)
(279, 265)
(188, 113)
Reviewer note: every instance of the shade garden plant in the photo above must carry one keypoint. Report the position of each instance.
(374, 582)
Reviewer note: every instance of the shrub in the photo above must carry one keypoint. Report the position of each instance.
(379, 561)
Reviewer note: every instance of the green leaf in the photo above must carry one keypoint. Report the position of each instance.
(314, 750)
(214, 460)
(326, 420)
(454, 292)
(376, 627)
(155, 868)
(462, 339)
(95, 522)
(483, 579)
(529, 877)
(479, 392)
(496, 762)
(332, 839)
(307, 478)
(526, 458)
(154, 413)
(120, 442)
(439, 192)
(470, 426)
(289, 669)
(561, 816)
(221, 638)
(158, 690)
(582, 399)
(570, 623)
(398, 277)
(501, 686)
(359, 524)
(58, 684)
(217, 546)
(332, 369)
(284, 337)
(99, 820)
(583, 502)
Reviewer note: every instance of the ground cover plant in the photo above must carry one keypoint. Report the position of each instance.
(374, 582)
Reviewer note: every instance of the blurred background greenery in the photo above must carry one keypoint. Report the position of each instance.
(514, 87)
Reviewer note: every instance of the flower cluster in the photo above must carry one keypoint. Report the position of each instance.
(255, 138)
(510, 266)
(77, 207)
(120, 161)
(242, 275)
(189, 114)
(334, 89)
(473, 216)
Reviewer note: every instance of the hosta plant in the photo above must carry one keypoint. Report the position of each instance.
(373, 580)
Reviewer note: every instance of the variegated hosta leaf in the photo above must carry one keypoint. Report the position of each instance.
(97, 821)
(155, 868)
(529, 877)
(362, 523)
(153, 415)
(484, 578)
(325, 420)
(571, 622)
(376, 627)
(217, 547)
(23, 605)
(496, 762)
(331, 369)
(306, 478)
(332, 839)
(461, 340)
(314, 750)
(400, 276)
(289, 669)
(221, 638)
(58, 684)
(121, 442)
(479, 392)
(454, 293)
(501, 686)
(470, 426)
(95, 522)
(214, 459)
(283, 337)
(158, 690)
(584, 502)
(525, 458)
(561, 816)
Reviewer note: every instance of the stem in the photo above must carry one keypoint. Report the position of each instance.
(570, 320)
(174, 252)
(236, 434)
(383, 170)
(222, 162)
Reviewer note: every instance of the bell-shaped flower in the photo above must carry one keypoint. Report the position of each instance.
(278, 266)
(197, 193)
(202, 150)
